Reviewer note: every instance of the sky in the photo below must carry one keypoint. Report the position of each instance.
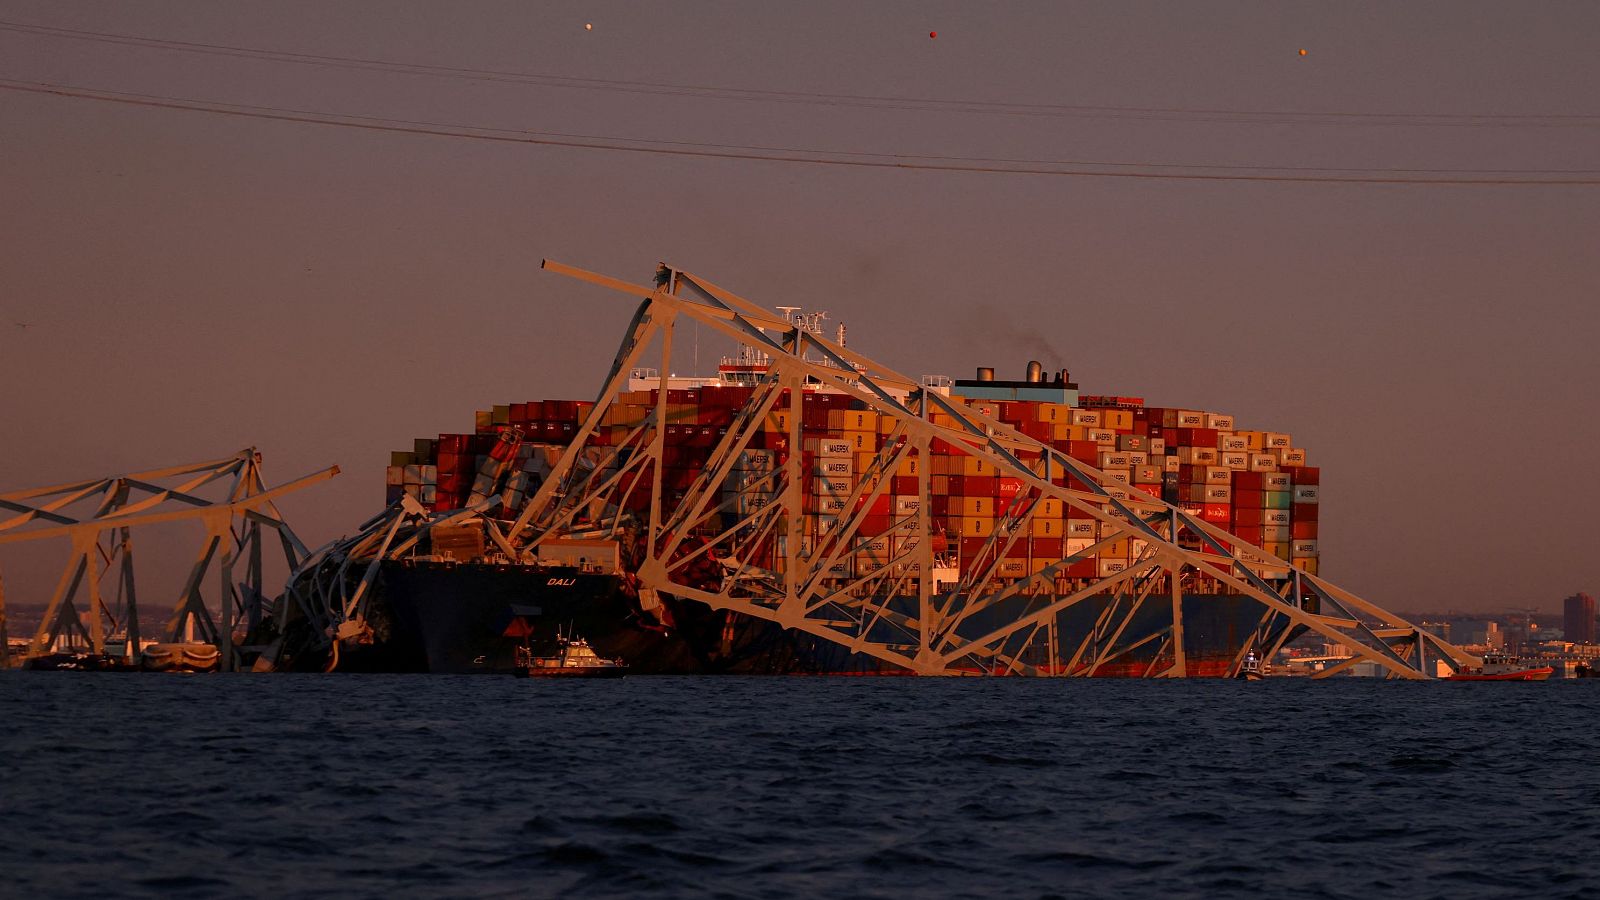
(195, 283)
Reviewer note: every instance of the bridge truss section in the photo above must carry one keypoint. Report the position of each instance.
(98, 517)
(713, 545)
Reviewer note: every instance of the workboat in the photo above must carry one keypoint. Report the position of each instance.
(1502, 667)
(1252, 668)
(573, 658)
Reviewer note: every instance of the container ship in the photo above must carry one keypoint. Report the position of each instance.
(457, 602)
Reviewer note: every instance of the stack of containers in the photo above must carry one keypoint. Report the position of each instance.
(1255, 484)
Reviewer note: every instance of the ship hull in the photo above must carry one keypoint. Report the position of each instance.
(471, 619)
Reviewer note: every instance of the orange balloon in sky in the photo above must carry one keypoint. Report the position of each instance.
(1302, 51)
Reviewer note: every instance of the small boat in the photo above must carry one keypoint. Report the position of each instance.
(1252, 668)
(181, 657)
(1584, 670)
(574, 658)
(1502, 667)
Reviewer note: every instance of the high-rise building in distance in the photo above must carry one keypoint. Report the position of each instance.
(1578, 621)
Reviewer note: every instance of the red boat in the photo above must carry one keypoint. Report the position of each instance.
(1501, 667)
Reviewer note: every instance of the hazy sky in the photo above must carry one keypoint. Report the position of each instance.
(200, 283)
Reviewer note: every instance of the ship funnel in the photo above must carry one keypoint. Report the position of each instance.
(986, 373)
(1063, 376)
(1035, 371)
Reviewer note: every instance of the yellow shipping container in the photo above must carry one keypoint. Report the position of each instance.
(1307, 565)
(1055, 413)
(1117, 549)
(910, 466)
(1254, 441)
(887, 424)
(975, 465)
(1046, 528)
(862, 441)
(1280, 549)
(977, 526)
(861, 420)
(974, 506)
(777, 422)
(1120, 419)
(1049, 508)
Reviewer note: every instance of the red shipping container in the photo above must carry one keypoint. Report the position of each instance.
(1084, 451)
(1248, 533)
(883, 506)
(1248, 498)
(875, 524)
(1248, 481)
(1198, 437)
(1304, 512)
(1308, 475)
(1303, 531)
(1084, 568)
(1047, 548)
(940, 505)
(974, 485)
(1217, 513)
(1009, 487)
(1248, 516)
(971, 547)
(904, 485)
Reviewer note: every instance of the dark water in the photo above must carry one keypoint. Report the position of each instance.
(416, 786)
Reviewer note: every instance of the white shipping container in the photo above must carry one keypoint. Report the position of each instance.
(834, 467)
(1076, 545)
(1109, 460)
(1171, 464)
(1104, 436)
(413, 474)
(1233, 443)
(1082, 528)
(829, 506)
(756, 460)
(1303, 549)
(906, 506)
(1137, 458)
(1219, 493)
(1012, 568)
(1190, 418)
(1291, 456)
(1219, 421)
(1274, 517)
(1274, 534)
(1219, 475)
(1158, 446)
(394, 476)
(833, 487)
(1089, 417)
(830, 448)
(1277, 481)
(1237, 461)
(1110, 567)
(1306, 493)
(1274, 440)
(1121, 476)
(1263, 462)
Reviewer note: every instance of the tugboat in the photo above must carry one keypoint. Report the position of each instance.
(1252, 669)
(574, 658)
(1502, 667)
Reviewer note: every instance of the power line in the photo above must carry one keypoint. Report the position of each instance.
(733, 152)
(984, 107)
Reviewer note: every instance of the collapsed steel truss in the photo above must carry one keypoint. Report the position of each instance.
(895, 610)
(101, 540)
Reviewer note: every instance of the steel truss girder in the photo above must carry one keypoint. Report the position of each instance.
(894, 611)
(101, 543)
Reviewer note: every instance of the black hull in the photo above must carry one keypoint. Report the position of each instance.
(470, 619)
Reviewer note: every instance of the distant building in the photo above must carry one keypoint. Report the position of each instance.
(1578, 625)
(1437, 629)
(1492, 636)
